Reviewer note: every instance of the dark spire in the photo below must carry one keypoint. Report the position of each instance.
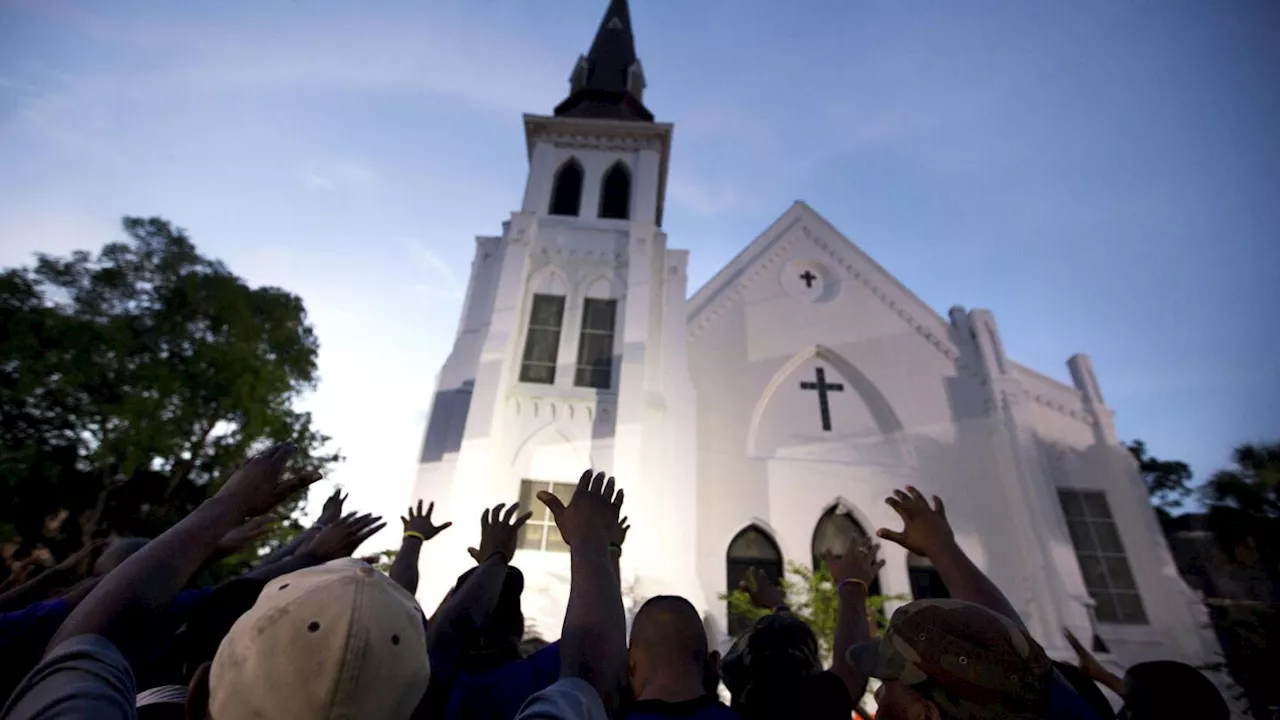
(608, 81)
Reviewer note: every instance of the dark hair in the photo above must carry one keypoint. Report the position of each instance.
(1165, 688)
(779, 650)
(497, 641)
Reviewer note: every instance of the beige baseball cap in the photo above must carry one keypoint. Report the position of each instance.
(338, 640)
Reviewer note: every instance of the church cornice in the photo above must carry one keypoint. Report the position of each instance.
(596, 134)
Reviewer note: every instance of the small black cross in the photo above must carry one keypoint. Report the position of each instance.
(808, 277)
(823, 387)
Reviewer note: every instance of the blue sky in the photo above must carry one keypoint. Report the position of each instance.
(1104, 175)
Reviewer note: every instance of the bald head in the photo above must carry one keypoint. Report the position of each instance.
(668, 630)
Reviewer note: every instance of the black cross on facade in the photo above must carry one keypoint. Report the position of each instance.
(823, 387)
(808, 277)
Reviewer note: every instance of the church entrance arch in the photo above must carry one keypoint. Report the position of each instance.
(751, 547)
(833, 532)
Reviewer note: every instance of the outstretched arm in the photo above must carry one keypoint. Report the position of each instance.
(475, 600)
(418, 529)
(338, 539)
(926, 532)
(329, 514)
(593, 643)
(852, 574)
(1090, 666)
(152, 576)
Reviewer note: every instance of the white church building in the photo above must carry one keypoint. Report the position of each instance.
(768, 415)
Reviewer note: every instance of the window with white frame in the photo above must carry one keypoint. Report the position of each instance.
(1102, 559)
(542, 344)
(541, 533)
(595, 346)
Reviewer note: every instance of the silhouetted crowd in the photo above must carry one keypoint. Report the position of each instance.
(312, 632)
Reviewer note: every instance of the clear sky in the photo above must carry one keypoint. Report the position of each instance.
(1103, 175)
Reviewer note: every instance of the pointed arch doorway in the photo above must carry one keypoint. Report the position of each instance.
(752, 547)
(833, 532)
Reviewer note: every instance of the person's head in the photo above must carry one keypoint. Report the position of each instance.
(338, 640)
(778, 650)
(1165, 688)
(954, 660)
(116, 553)
(497, 641)
(668, 647)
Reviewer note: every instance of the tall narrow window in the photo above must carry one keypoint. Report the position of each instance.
(1102, 558)
(540, 532)
(835, 529)
(566, 192)
(542, 345)
(615, 193)
(751, 548)
(595, 348)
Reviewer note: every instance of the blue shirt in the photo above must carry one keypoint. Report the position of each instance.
(25, 633)
(1067, 704)
(498, 694)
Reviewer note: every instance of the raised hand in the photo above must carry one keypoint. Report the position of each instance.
(1085, 659)
(419, 525)
(592, 512)
(498, 535)
(342, 537)
(332, 510)
(925, 529)
(858, 564)
(619, 534)
(238, 539)
(761, 590)
(258, 486)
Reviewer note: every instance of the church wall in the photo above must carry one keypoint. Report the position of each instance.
(1079, 455)
(923, 423)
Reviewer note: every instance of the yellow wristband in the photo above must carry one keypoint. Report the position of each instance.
(854, 581)
(415, 534)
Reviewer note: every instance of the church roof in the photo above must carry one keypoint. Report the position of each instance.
(608, 82)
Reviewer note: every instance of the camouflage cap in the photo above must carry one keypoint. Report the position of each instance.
(971, 662)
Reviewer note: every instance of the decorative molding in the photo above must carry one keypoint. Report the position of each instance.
(596, 142)
(557, 408)
(837, 260)
(1060, 408)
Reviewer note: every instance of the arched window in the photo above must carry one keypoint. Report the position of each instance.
(925, 580)
(566, 192)
(833, 532)
(615, 193)
(750, 548)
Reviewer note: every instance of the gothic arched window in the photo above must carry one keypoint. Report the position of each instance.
(566, 191)
(925, 580)
(833, 532)
(750, 548)
(615, 193)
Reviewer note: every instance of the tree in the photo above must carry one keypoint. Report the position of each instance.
(1168, 481)
(134, 382)
(1244, 518)
(811, 596)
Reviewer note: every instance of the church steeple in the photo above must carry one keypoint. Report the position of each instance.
(608, 82)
